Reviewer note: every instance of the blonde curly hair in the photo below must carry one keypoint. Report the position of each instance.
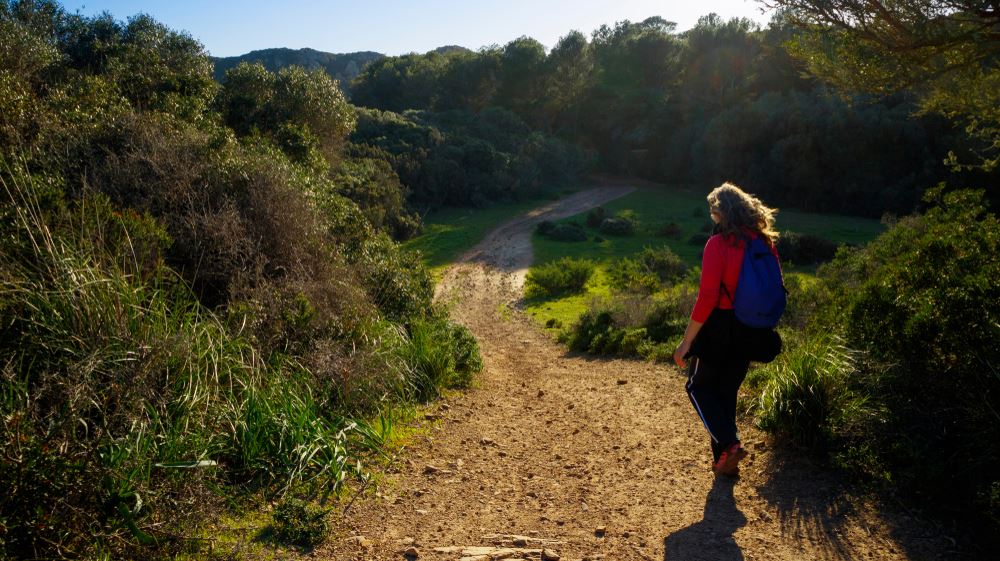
(738, 210)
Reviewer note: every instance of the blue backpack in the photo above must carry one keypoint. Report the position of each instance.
(760, 293)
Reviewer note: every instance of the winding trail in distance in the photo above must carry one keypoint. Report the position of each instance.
(594, 458)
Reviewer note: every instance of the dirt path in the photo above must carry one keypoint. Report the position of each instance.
(593, 459)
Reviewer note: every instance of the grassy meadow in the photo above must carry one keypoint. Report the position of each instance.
(450, 231)
(656, 207)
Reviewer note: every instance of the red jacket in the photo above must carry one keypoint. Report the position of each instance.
(720, 264)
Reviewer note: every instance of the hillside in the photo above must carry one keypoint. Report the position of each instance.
(342, 67)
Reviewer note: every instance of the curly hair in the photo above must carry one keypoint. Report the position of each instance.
(740, 210)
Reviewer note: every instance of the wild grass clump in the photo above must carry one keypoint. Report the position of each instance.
(806, 395)
(442, 355)
(567, 275)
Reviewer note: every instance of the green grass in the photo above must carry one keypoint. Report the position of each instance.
(656, 207)
(450, 232)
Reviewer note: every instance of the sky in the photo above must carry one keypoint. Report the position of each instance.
(396, 27)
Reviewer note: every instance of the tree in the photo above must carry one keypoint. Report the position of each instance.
(568, 71)
(945, 51)
(521, 63)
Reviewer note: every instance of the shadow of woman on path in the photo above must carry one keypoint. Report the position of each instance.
(712, 537)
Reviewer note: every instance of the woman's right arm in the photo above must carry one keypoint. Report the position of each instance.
(712, 261)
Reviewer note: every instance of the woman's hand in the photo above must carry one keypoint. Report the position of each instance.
(682, 350)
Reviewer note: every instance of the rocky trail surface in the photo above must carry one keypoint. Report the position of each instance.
(554, 455)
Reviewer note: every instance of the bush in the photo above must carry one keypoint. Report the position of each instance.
(670, 230)
(920, 303)
(299, 523)
(568, 232)
(173, 402)
(595, 216)
(468, 361)
(630, 324)
(567, 275)
(617, 227)
(545, 227)
(805, 249)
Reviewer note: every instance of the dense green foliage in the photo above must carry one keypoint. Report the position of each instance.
(341, 67)
(722, 101)
(463, 158)
(921, 303)
(942, 51)
(199, 294)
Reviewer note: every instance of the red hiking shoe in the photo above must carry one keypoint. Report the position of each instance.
(729, 460)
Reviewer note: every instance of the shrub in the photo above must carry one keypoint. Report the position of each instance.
(617, 227)
(566, 275)
(629, 274)
(595, 216)
(299, 523)
(545, 227)
(468, 361)
(669, 230)
(168, 395)
(647, 270)
(921, 302)
(805, 249)
(568, 232)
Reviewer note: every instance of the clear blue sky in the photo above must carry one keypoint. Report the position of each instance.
(396, 26)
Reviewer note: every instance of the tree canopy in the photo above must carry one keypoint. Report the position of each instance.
(945, 52)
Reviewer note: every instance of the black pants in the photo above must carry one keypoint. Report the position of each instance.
(712, 387)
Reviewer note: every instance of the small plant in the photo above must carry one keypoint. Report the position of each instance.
(300, 523)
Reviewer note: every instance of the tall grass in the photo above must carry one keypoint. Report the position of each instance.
(806, 394)
(124, 402)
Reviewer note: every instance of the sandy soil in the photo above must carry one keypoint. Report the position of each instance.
(556, 455)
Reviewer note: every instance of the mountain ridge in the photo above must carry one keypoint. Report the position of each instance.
(343, 67)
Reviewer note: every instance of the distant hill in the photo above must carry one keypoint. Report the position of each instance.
(448, 49)
(342, 67)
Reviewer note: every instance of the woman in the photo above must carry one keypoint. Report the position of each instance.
(718, 366)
